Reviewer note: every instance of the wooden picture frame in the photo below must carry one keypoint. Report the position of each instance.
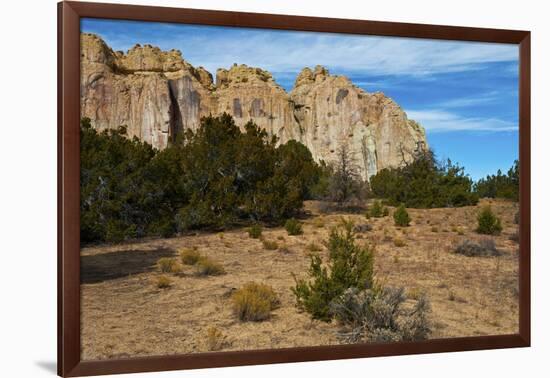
(69, 15)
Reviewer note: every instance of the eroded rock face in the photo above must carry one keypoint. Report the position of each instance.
(249, 93)
(140, 101)
(158, 94)
(333, 112)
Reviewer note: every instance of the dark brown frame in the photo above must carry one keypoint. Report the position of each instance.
(69, 14)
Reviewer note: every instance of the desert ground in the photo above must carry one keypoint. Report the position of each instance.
(124, 314)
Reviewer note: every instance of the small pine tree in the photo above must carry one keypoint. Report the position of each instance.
(349, 266)
(293, 227)
(488, 222)
(377, 210)
(401, 216)
(255, 231)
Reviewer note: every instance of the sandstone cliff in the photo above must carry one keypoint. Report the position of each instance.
(157, 94)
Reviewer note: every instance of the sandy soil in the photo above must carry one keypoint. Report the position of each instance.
(124, 314)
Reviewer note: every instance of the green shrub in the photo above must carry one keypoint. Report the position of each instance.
(254, 302)
(270, 245)
(377, 210)
(207, 267)
(168, 265)
(401, 216)
(212, 177)
(488, 223)
(255, 231)
(164, 282)
(293, 227)
(500, 185)
(424, 183)
(349, 266)
(189, 256)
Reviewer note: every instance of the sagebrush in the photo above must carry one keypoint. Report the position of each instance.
(485, 247)
(379, 315)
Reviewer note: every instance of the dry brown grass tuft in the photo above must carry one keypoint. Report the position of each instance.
(209, 267)
(254, 302)
(168, 265)
(319, 222)
(164, 282)
(399, 242)
(312, 247)
(189, 256)
(270, 245)
(414, 293)
(215, 339)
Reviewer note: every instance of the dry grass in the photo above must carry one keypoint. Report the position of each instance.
(270, 245)
(189, 256)
(215, 339)
(254, 302)
(164, 282)
(314, 247)
(168, 265)
(208, 267)
(124, 315)
(399, 243)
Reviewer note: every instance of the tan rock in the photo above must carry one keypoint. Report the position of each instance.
(332, 112)
(158, 94)
(249, 93)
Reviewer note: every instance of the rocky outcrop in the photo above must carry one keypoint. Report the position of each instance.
(332, 112)
(157, 94)
(249, 93)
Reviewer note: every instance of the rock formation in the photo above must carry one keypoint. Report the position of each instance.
(157, 94)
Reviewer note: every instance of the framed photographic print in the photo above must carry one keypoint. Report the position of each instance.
(239, 188)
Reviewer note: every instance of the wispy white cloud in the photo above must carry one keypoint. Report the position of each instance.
(284, 51)
(437, 120)
(473, 100)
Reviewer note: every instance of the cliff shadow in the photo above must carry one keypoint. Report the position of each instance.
(109, 266)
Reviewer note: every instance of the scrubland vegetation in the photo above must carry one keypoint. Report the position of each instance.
(226, 241)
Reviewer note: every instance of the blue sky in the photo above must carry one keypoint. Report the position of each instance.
(465, 94)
